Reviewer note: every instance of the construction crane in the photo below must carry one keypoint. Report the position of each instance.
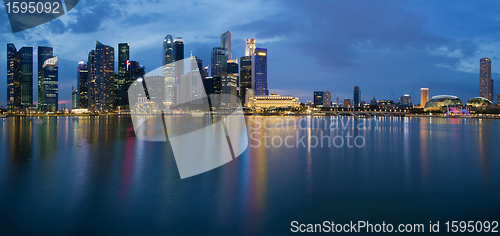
(412, 91)
(393, 96)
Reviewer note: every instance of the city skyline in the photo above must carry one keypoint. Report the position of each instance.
(431, 59)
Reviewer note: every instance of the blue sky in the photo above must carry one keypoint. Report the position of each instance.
(312, 45)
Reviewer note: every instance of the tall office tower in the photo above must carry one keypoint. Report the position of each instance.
(491, 91)
(82, 75)
(50, 85)
(44, 53)
(179, 55)
(179, 67)
(74, 99)
(104, 65)
(218, 62)
(197, 72)
(13, 78)
(225, 42)
(190, 88)
(168, 50)
(245, 77)
(250, 47)
(356, 96)
(498, 99)
(322, 98)
(424, 96)
(168, 70)
(212, 85)
(135, 70)
(485, 81)
(123, 81)
(91, 95)
(259, 72)
(229, 85)
(233, 71)
(26, 57)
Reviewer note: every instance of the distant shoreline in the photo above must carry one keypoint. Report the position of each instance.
(278, 114)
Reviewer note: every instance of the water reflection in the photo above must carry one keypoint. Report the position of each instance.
(65, 175)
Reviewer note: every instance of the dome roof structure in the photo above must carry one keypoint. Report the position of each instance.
(439, 101)
(478, 102)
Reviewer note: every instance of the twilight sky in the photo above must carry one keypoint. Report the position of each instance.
(312, 45)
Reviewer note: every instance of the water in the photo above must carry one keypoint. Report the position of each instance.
(94, 176)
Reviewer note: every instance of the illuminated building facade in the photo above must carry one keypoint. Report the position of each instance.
(123, 80)
(250, 47)
(104, 77)
(478, 102)
(356, 96)
(229, 84)
(245, 77)
(50, 86)
(44, 53)
(91, 96)
(347, 102)
(485, 81)
(219, 57)
(259, 72)
(273, 101)
(13, 78)
(322, 98)
(424, 96)
(26, 70)
(437, 102)
(82, 76)
(178, 55)
(168, 71)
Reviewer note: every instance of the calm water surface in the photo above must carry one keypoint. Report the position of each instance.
(95, 177)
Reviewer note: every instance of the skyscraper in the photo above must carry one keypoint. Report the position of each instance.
(218, 62)
(13, 78)
(197, 72)
(485, 81)
(104, 77)
(82, 75)
(44, 53)
(50, 85)
(424, 96)
(245, 77)
(179, 55)
(322, 98)
(91, 94)
(259, 72)
(225, 42)
(229, 84)
(233, 71)
(168, 70)
(123, 82)
(26, 57)
(356, 96)
(250, 47)
(168, 50)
